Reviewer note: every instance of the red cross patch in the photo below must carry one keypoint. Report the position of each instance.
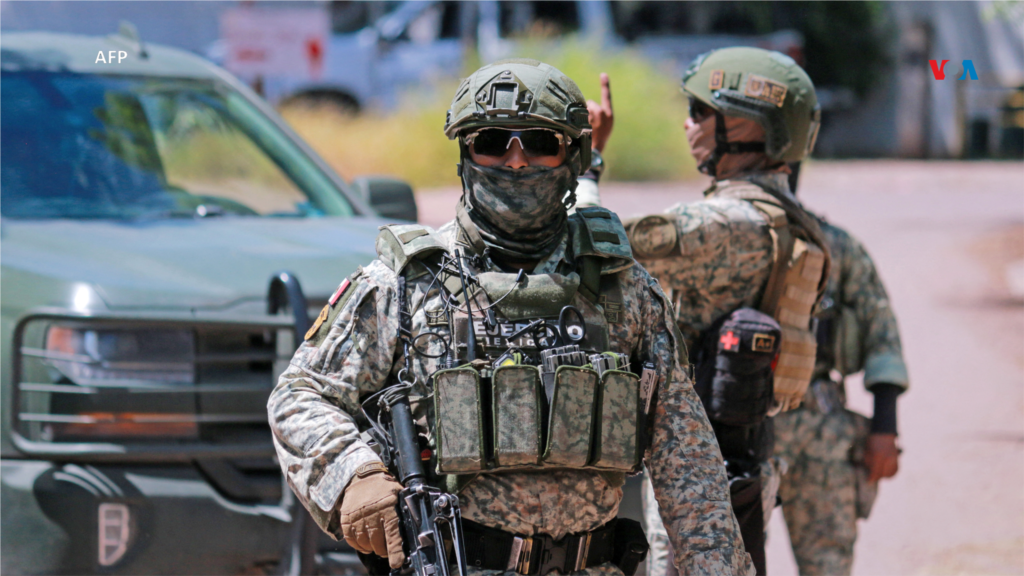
(729, 341)
(341, 290)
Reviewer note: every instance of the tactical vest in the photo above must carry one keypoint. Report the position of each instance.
(533, 398)
(796, 283)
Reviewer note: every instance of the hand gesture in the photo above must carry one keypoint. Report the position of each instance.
(602, 118)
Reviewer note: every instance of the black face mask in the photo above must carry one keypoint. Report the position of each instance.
(517, 212)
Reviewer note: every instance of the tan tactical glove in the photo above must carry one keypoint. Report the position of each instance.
(369, 516)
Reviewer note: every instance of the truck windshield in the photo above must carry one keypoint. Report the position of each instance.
(88, 146)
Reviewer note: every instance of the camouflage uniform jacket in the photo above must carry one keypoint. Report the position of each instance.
(864, 335)
(317, 433)
(724, 258)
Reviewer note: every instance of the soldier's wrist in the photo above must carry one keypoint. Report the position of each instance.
(883, 421)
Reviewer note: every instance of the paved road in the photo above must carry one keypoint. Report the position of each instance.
(941, 233)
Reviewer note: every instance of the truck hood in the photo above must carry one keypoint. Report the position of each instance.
(186, 264)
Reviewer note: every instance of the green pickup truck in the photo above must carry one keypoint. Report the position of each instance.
(148, 200)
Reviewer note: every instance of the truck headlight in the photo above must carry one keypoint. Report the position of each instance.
(134, 383)
(97, 356)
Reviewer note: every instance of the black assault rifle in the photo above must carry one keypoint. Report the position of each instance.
(431, 521)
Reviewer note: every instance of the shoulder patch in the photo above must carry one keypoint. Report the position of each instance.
(652, 236)
(766, 90)
(318, 322)
(334, 304)
(716, 80)
(341, 290)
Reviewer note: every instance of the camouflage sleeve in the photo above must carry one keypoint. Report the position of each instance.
(722, 261)
(311, 409)
(861, 290)
(685, 463)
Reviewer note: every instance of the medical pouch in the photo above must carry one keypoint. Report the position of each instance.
(571, 417)
(516, 397)
(734, 365)
(459, 421)
(616, 438)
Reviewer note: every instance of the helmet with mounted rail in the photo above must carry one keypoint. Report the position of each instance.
(522, 93)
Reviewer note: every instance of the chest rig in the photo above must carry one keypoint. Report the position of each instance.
(530, 381)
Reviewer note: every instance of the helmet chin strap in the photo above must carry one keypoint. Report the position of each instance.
(723, 147)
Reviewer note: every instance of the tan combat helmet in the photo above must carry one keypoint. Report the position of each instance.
(522, 93)
(761, 85)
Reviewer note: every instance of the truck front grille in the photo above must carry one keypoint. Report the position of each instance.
(208, 402)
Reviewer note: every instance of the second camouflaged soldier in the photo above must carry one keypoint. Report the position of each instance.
(837, 456)
(533, 348)
(745, 266)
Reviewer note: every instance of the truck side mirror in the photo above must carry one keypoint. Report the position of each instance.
(391, 198)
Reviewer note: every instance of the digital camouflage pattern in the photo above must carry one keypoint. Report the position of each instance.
(517, 415)
(819, 493)
(620, 409)
(313, 412)
(459, 437)
(572, 417)
(866, 335)
(711, 257)
(722, 258)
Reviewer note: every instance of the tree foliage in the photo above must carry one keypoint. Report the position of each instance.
(846, 44)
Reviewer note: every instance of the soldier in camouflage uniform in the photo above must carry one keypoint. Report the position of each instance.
(513, 253)
(834, 456)
(752, 111)
(837, 456)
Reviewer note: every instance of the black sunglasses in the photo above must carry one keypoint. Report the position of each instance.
(699, 110)
(534, 141)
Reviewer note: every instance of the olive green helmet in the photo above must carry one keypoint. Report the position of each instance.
(761, 85)
(522, 93)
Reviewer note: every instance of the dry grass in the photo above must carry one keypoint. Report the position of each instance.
(649, 142)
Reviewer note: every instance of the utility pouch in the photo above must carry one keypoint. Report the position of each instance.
(616, 442)
(516, 396)
(459, 421)
(799, 343)
(630, 545)
(571, 417)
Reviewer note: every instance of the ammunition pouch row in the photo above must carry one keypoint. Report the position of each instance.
(506, 421)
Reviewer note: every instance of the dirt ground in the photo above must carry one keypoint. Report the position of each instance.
(942, 235)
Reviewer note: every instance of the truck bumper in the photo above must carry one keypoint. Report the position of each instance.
(132, 519)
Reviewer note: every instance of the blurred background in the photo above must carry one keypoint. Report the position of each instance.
(382, 73)
(928, 173)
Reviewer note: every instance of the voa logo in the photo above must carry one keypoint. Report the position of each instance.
(938, 70)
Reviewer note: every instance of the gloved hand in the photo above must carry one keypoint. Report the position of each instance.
(369, 516)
